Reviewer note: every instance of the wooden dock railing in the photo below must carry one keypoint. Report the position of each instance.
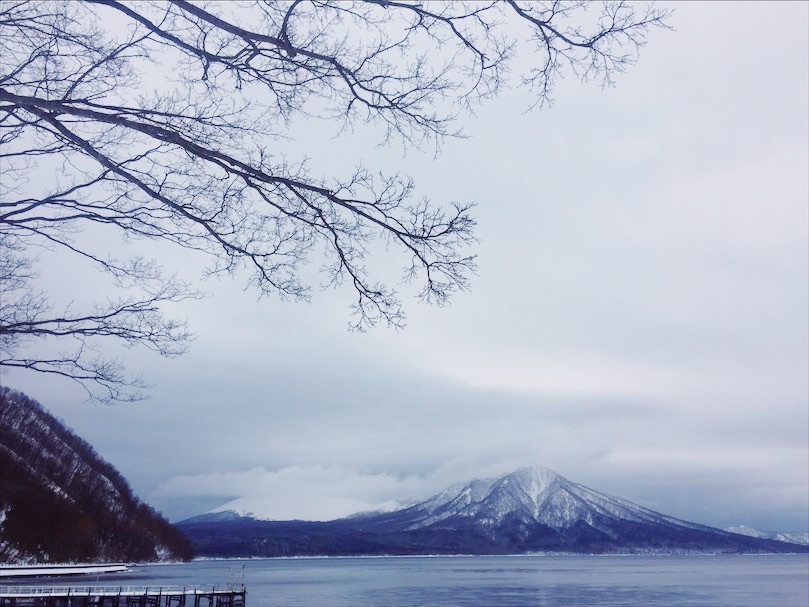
(121, 596)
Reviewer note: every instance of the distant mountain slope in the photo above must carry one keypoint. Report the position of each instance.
(60, 502)
(529, 510)
(795, 538)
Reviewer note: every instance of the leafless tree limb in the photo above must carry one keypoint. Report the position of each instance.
(191, 162)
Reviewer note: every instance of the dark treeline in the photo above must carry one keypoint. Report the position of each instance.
(61, 502)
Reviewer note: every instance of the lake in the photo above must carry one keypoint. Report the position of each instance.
(493, 581)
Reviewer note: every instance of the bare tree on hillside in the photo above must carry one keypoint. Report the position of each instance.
(162, 121)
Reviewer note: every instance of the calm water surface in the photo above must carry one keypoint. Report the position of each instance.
(553, 581)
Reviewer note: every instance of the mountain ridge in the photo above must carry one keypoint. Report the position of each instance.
(530, 510)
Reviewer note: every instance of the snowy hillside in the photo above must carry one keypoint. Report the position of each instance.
(60, 502)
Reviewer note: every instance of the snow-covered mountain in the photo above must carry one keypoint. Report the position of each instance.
(794, 538)
(529, 510)
(533, 496)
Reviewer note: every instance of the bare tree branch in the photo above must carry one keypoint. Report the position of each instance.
(195, 161)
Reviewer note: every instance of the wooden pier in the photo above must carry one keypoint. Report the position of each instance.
(120, 596)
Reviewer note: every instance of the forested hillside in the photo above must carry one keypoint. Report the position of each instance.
(61, 502)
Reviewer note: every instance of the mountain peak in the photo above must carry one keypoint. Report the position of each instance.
(534, 481)
(521, 493)
(534, 472)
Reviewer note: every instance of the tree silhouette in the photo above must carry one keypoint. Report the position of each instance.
(162, 120)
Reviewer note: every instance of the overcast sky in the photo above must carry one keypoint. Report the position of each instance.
(639, 323)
